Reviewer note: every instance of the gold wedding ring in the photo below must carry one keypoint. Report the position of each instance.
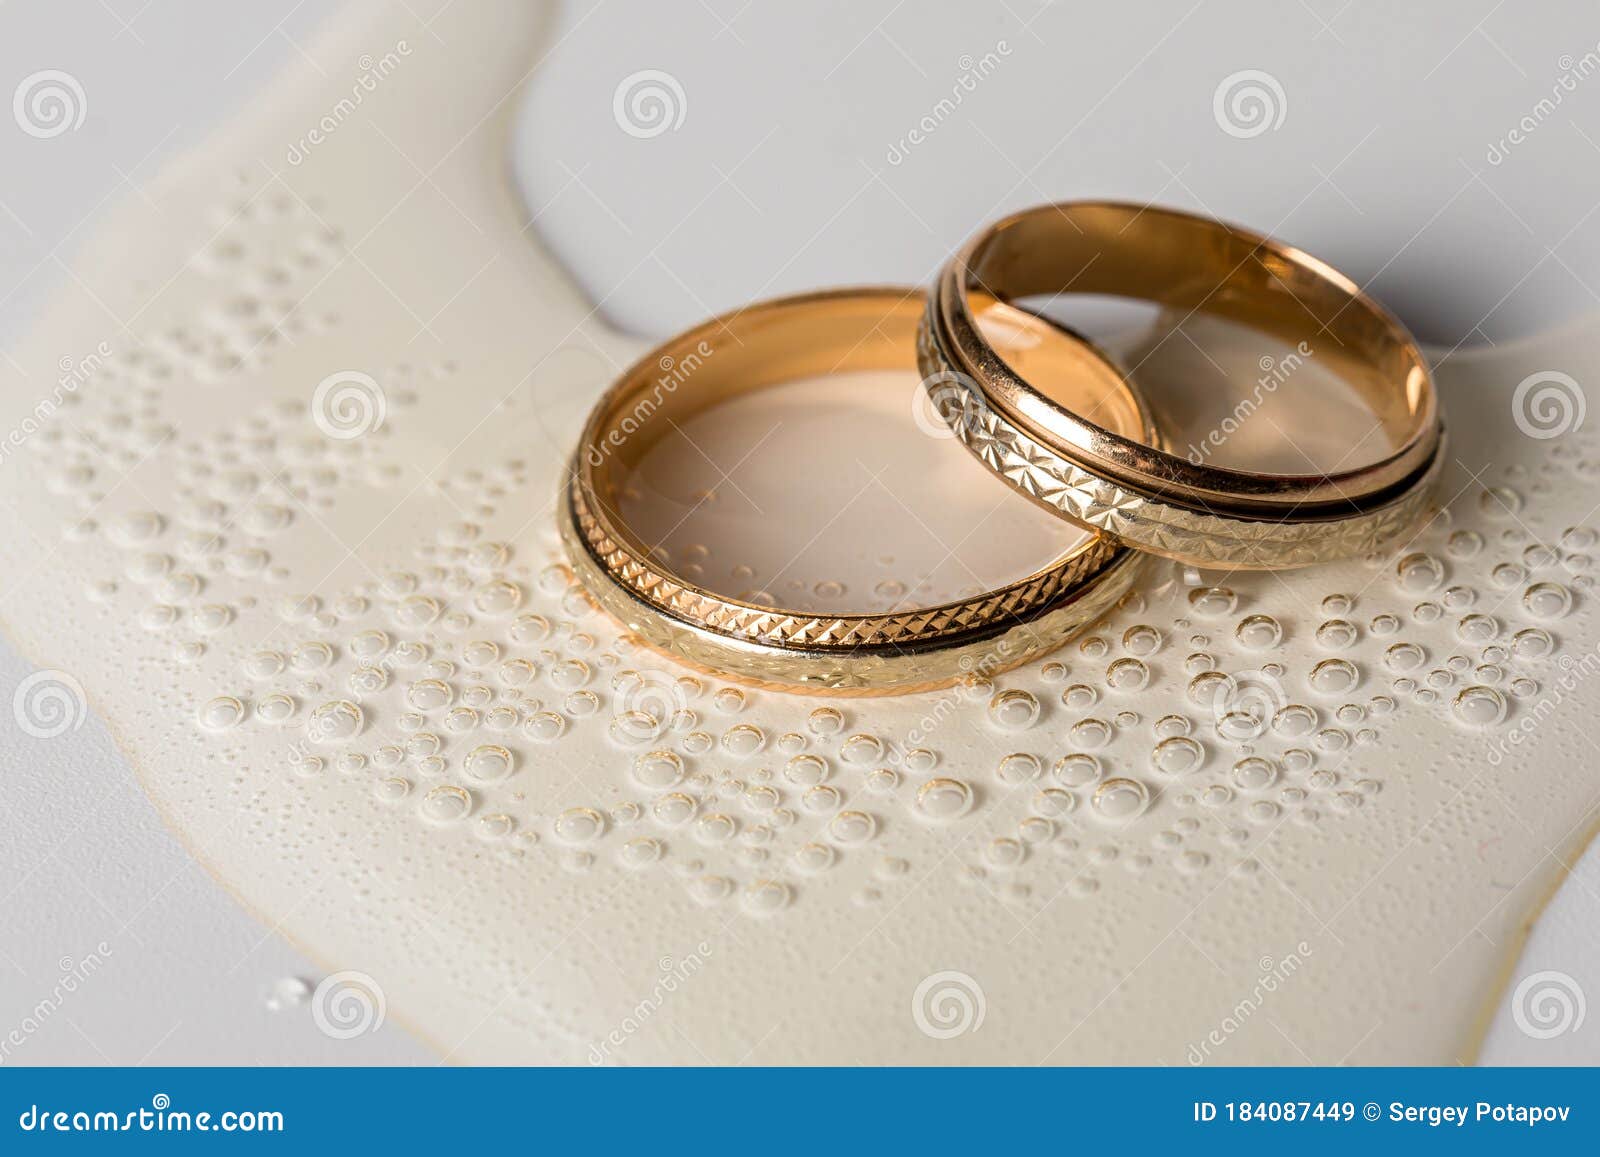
(1068, 458)
(895, 651)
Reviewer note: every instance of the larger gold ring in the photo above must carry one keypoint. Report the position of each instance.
(865, 654)
(1133, 489)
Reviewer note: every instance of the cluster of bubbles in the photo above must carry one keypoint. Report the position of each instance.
(475, 690)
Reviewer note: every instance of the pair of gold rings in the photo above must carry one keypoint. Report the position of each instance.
(1043, 409)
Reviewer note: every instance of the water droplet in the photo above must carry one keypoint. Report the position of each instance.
(1128, 675)
(658, 769)
(334, 721)
(852, 827)
(1336, 634)
(1294, 720)
(1253, 773)
(445, 803)
(813, 858)
(861, 749)
(1014, 710)
(1259, 632)
(1419, 572)
(1480, 706)
(579, 825)
(673, 809)
(1076, 770)
(1213, 602)
(1532, 643)
(1177, 755)
(825, 721)
(1121, 799)
(765, 897)
(1091, 734)
(944, 799)
(1547, 600)
(806, 770)
(1477, 629)
(489, 763)
(1019, 767)
(1334, 677)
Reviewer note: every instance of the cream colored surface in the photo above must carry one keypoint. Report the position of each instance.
(1399, 882)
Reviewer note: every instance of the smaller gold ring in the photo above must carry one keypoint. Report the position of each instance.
(855, 654)
(1134, 489)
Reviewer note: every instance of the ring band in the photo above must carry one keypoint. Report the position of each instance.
(862, 654)
(1135, 490)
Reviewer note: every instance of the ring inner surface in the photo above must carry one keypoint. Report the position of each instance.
(787, 457)
(1260, 364)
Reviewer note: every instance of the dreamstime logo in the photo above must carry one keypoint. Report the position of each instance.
(1575, 670)
(347, 1005)
(972, 73)
(1242, 707)
(49, 103)
(648, 103)
(74, 373)
(673, 975)
(1274, 372)
(1548, 404)
(1272, 974)
(348, 404)
(74, 973)
(1572, 74)
(49, 703)
(674, 372)
(648, 704)
(1548, 1004)
(948, 1004)
(373, 72)
(1249, 103)
(947, 403)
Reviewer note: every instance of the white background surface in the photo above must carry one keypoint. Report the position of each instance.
(791, 111)
(84, 858)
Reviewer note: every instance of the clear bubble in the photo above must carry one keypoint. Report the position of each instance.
(1479, 706)
(1547, 600)
(1177, 755)
(1120, 799)
(1259, 632)
(944, 799)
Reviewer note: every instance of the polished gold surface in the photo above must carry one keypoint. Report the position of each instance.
(895, 651)
(1065, 456)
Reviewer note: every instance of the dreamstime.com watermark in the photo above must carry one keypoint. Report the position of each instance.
(1248, 103)
(948, 1004)
(1273, 975)
(1274, 372)
(72, 374)
(673, 975)
(373, 72)
(349, 404)
(674, 372)
(348, 1004)
(1548, 404)
(648, 103)
(977, 672)
(1572, 74)
(49, 703)
(1548, 1004)
(160, 1117)
(973, 72)
(1575, 670)
(73, 974)
(49, 103)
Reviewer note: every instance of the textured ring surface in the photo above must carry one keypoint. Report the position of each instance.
(1146, 520)
(1065, 457)
(869, 653)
